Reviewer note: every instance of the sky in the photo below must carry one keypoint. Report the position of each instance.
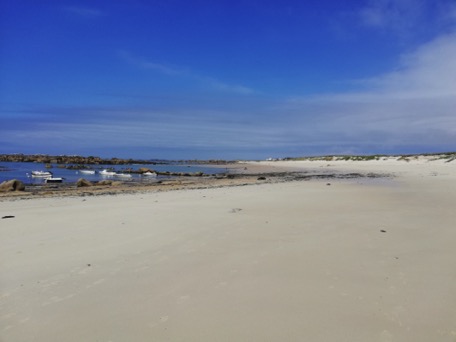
(209, 79)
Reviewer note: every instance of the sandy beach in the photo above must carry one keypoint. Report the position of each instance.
(362, 259)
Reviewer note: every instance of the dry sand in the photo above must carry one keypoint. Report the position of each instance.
(356, 260)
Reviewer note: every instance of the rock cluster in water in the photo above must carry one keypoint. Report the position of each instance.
(47, 159)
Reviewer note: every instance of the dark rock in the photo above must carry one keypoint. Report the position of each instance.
(261, 178)
(83, 183)
(12, 185)
(69, 160)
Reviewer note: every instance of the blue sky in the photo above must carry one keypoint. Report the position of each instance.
(227, 79)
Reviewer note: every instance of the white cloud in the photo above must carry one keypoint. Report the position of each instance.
(430, 71)
(413, 105)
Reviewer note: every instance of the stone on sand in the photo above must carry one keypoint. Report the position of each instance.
(12, 185)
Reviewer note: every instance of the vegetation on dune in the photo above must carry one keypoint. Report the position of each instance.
(448, 156)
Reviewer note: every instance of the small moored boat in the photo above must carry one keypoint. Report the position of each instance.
(54, 180)
(42, 174)
(87, 172)
(149, 174)
(107, 173)
(122, 175)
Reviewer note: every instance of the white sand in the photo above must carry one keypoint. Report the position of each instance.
(300, 261)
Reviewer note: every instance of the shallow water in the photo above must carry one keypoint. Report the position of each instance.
(22, 171)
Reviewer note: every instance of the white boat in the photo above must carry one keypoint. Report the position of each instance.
(42, 174)
(122, 175)
(149, 174)
(107, 173)
(54, 180)
(87, 172)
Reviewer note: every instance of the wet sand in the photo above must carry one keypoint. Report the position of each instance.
(313, 259)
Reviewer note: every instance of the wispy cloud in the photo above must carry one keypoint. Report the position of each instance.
(149, 65)
(239, 89)
(84, 11)
(398, 15)
(184, 73)
(192, 131)
(409, 18)
(409, 107)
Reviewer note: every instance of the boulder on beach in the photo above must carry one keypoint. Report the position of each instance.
(12, 185)
(83, 182)
(105, 182)
(144, 170)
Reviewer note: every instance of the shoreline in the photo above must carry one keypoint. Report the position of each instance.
(356, 260)
(244, 173)
(238, 174)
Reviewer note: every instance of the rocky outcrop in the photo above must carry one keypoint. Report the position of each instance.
(105, 182)
(144, 170)
(76, 160)
(83, 183)
(12, 185)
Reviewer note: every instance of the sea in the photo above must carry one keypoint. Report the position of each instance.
(22, 171)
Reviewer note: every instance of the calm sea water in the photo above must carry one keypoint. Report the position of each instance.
(21, 171)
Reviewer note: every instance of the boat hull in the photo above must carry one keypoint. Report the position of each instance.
(87, 172)
(41, 174)
(107, 173)
(54, 180)
(122, 175)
